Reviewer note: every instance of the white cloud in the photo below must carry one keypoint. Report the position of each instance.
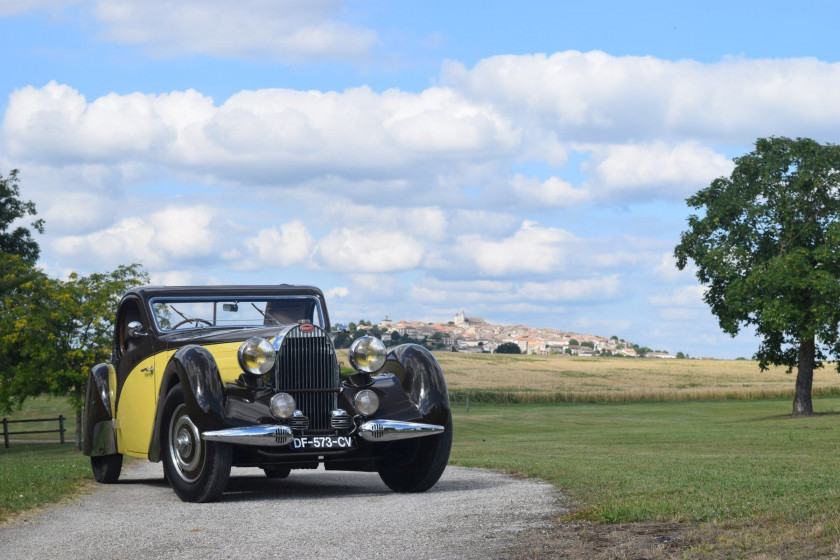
(163, 239)
(551, 192)
(257, 136)
(291, 244)
(369, 251)
(533, 249)
(668, 171)
(594, 96)
(337, 292)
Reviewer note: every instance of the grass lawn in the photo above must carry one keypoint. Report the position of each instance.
(710, 465)
(36, 469)
(36, 474)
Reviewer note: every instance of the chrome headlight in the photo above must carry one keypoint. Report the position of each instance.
(283, 405)
(366, 401)
(367, 354)
(257, 356)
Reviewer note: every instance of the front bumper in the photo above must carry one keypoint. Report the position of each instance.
(278, 435)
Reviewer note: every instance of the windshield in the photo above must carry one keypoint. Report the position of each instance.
(177, 314)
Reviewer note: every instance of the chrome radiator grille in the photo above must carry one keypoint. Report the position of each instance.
(308, 370)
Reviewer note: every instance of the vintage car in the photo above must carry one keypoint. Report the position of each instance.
(205, 378)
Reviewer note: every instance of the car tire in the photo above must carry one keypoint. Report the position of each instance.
(415, 465)
(197, 470)
(106, 468)
(277, 472)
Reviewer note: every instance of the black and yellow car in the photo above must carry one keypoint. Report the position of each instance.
(205, 378)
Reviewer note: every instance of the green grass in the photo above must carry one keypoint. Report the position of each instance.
(669, 461)
(36, 469)
(36, 474)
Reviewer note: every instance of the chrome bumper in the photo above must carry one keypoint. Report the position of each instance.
(278, 435)
(392, 430)
(264, 434)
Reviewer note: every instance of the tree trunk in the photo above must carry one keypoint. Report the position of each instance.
(79, 428)
(804, 378)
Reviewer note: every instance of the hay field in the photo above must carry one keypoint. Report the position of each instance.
(518, 378)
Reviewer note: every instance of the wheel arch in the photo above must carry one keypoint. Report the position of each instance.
(421, 377)
(194, 368)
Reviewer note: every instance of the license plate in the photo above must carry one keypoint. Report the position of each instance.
(323, 442)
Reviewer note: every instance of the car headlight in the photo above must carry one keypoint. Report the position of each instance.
(257, 356)
(366, 401)
(283, 405)
(367, 354)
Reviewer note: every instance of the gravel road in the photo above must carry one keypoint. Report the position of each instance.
(469, 514)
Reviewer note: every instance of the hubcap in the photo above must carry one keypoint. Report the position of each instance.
(185, 446)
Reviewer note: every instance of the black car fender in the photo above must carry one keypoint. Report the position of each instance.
(196, 370)
(97, 428)
(421, 378)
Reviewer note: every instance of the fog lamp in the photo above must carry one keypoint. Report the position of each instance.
(282, 405)
(367, 402)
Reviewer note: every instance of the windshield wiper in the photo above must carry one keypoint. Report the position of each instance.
(268, 317)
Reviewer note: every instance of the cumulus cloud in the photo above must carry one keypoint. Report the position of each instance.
(258, 136)
(272, 247)
(594, 96)
(533, 249)
(364, 250)
(164, 238)
(551, 192)
(656, 169)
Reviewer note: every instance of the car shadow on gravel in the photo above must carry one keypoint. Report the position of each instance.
(323, 485)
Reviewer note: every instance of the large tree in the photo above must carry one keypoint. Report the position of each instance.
(767, 246)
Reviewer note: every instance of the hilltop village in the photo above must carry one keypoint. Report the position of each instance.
(474, 334)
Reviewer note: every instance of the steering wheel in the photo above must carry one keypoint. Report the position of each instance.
(193, 320)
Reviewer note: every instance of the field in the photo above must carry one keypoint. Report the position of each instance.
(517, 378)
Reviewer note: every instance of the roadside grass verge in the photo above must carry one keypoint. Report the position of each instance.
(36, 474)
(37, 470)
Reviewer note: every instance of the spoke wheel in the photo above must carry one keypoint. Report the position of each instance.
(197, 470)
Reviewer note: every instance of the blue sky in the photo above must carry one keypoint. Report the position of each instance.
(527, 161)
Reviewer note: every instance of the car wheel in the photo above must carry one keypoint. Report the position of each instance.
(415, 465)
(197, 470)
(106, 468)
(277, 472)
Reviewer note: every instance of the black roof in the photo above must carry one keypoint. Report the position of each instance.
(148, 292)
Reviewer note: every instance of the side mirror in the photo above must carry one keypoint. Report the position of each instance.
(135, 329)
